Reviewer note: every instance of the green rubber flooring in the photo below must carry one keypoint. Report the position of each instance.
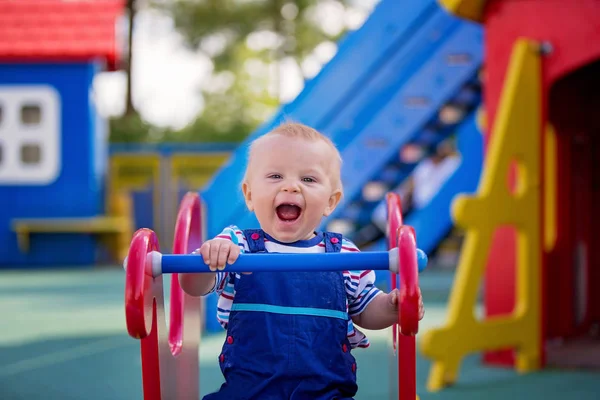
(63, 336)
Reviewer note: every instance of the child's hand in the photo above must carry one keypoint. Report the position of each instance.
(394, 302)
(217, 252)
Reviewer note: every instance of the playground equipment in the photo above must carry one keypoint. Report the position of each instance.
(529, 228)
(170, 367)
(157, 176)
(170, 362)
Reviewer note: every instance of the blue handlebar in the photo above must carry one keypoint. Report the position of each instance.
(369, 260)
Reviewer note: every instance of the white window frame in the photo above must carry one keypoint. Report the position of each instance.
(14, 134)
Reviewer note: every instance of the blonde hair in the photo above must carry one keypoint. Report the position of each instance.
(298, 130)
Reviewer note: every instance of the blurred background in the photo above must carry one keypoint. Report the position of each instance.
(112, 110)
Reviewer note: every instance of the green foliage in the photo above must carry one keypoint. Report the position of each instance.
(240, 94)
(130, 129)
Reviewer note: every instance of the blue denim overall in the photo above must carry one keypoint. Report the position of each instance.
(287, 334)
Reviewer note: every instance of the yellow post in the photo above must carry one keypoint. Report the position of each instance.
(119, 206)
(131, 172)
(550, 190)
(191, 172)
(516, 139)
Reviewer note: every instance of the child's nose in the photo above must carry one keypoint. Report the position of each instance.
(291, 187)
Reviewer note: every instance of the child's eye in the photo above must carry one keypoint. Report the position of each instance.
(275, 176)
(308, 179)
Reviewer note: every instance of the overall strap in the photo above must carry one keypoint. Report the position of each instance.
(333, 242)
(255, 239)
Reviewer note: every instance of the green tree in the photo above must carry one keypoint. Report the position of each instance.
(245, 41)
(234, 111)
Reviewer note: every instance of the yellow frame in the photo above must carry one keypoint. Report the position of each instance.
(127, 185)
(516, 138)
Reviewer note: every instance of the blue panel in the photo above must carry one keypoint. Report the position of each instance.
(143, 209)
(78, 190)
(359, 210)
(99, 151)
(348, 74)
(385, 83)
(170, 148)
(433, 221)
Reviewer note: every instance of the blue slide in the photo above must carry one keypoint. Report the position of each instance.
(434, 221)
(382, 90)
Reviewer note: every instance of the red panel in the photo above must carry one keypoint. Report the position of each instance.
(499, 285)
(571, 27)
(54, 30)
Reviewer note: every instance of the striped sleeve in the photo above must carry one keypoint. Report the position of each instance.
(360, 285)
(234, 234)
(226, 293)
(225, 281)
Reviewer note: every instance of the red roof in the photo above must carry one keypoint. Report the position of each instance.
(59, 30)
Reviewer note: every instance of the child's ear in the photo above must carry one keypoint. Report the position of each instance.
(247, 196)
(334, 200)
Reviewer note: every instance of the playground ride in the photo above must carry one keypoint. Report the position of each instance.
(170, 361)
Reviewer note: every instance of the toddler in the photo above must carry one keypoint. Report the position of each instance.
(289, 334)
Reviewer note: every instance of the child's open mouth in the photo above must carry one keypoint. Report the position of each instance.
(288, 212)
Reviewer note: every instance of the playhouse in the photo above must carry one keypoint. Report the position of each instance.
(53, 144)
(531, 226)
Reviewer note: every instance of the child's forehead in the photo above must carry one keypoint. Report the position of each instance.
(272, 144)
(280, 152)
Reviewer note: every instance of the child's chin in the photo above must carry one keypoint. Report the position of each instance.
(288, 235)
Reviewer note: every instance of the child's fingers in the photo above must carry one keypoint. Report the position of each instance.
(205, 252)
(223, 254)
(394, 297)
(215, 247)
(234, 253)
(233, 256)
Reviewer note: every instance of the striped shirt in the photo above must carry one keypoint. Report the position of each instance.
(360, 285)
